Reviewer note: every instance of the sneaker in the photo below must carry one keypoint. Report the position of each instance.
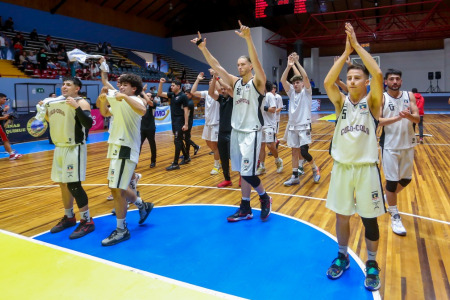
(292, 181)
(110, 197)
(372, 282)
(215, 170)
(153, 164)
(241, 214)
(134, 182)
(260, 170)
(316, 175)
(279, 164)
(145, 211)
(338, 266)
(266, 208)
(421, 141)
(82, 229)
(301, 171)
(397, 226)
(225, 183)
(185, 161)
(15, 156)
(196, 150)
(113, 211)
(64, 223)
(173, 167)
(117, 236)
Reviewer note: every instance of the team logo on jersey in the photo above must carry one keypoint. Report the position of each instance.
(114, 154)
(363, 108)
(247, 87)
(375, 200)
(246, 164)
(69, 170)
(405, 101)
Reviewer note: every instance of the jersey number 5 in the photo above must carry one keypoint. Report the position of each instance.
(344, 113)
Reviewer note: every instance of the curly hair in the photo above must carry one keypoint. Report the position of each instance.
(134, 80)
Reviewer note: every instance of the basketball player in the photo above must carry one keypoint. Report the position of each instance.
(3, 136)
(69, 116)
(268, 134)
(280, 106)
(397, 115)
(148, 128)
(299, 125)
(123, 151)
(355, 185)
(212, 119)
(179, 111)
(246, 122)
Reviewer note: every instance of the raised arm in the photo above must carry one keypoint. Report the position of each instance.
(160, 92)
(283, 79)
(194, 91)
(212, 61)
(104, 74)
(302, 71)
(375, 96)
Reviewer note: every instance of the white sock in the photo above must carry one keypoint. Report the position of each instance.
(121, 224)
(139, 203)
(245, 199)
(85, 215)
(313, 165)
(69, 212)
(393, 210)
(217, 163)
(343, 249)
(371, 255)
(262, 165)
(301, 162)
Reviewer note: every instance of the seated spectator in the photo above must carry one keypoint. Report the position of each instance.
(46, 46)
(108, 49)
(34, 36)
(22, 39)
(62, 47)
(3, 47)
(51, 63)
(53, 47)
(105, 48)
(18, 47)
(9, 25)
(42, 59)
(98, 48)
(62, 59)
(31, 58)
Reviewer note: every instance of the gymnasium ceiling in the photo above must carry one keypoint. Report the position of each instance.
(384, 24)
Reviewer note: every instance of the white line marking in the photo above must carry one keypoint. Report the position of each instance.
(124, 267)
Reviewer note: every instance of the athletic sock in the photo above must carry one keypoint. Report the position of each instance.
(121, 224)
(295, 172)
(245, 203)
(139, 203)
(69, 212)
(313, 165)
(343, 249)
(393, 210)
(371, 255)
(85, 215)
(217, 163)
(264, 196)
(301, 162)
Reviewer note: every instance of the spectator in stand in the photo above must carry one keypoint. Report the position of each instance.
(48, 38)
(46, 46)
(183, 75)
(420, 101)
(62, 47)
(158, 63)
(34, 36)
(9, 25)
(1, 23)
(18, 50)
(42, 59)
(53, 46)
(3, 48)
(31, 58)
(98, 48)
(105, 48)
(62, 59)
(108, 48)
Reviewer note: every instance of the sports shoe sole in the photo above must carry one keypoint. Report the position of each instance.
(336, 277)
(248, 217)
(127, 237)
(77, 236)
(148, 213)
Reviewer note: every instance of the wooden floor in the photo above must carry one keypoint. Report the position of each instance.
(413, 267)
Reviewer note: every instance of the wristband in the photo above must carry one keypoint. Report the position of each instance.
(199, 42)
(266, 108)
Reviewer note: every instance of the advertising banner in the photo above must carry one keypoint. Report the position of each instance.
(162, 115)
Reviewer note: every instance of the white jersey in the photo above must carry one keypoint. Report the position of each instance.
(246, 114)
(65, 130)
(398, 135)
(354, 139)
(299, 108)
(269, 118)
(126, 129)
(279, 102)
(212, 109)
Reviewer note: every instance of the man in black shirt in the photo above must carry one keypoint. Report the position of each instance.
(187, 134)
(3, 118)
(179, 112)
(148, 129)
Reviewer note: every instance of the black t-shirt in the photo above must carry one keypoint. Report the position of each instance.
(226, 108)
(191, 111)
(177, 103)
(148, 120)
(2, 122)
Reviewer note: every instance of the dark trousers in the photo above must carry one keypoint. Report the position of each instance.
(420, 127)
(188, 142)
(223, 143)
(179, 145)
(150, 136)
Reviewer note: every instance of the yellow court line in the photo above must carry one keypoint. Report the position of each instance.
(32, 270)
(331, 117)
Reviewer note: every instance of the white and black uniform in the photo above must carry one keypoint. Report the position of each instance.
(270, 121)
(124, 142)
(397, 139)
(246, 122)
(299, 124)
(280, 104)
(69, 137)
(355, 173)
(212, 118)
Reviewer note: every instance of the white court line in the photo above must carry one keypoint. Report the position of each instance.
(216, 188)
(126, 268)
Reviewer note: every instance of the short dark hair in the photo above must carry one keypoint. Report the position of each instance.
(134, 80)
(246, 57)
(75, 81)
(414, 90)
(296, 78)
(177, 82)
(51, 94)
(392, 72)
(359, 67)
(269, 85)
(2, 95)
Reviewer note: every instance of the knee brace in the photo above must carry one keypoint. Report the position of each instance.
(253, 180)
(78, 193)
(372, 229)
(304, 152)
(391, 186)
(404, 182)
